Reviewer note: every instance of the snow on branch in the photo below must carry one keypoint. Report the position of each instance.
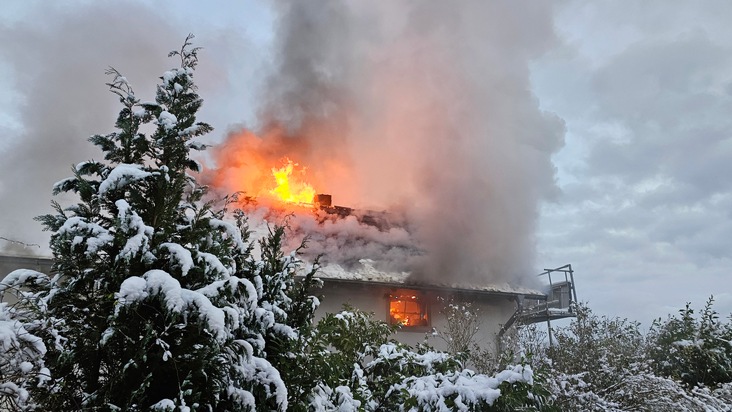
(167, 120)
(21, 277)
(120, 86)
(132, 224)
(231, 231)
(177, 299)
(91, 234)
(121, 176)
(179, 257)
(21, 355)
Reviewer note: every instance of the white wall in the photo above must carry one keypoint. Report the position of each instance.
(495, 310)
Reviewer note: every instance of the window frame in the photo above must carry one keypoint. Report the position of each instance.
(422, 300)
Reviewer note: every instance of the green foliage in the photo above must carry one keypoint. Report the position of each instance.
(354, 365)
(331, 355)
(295, 308)
(521, 346)
(129, 210)
(694, 350)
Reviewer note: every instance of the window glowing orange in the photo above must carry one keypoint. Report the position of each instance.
(407, 309)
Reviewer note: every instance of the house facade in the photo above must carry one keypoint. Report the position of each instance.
(418, 309)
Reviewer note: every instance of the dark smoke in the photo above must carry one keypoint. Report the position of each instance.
(426, 107)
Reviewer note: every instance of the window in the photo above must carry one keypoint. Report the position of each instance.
(408, 308)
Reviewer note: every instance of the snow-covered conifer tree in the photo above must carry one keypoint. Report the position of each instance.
(158, 302)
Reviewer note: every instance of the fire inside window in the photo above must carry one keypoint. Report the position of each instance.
(408, 309)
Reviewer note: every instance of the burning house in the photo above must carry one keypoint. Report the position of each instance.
(420, 308)
(420, 117)
(372, 284)
(423, 112)
(370, 260)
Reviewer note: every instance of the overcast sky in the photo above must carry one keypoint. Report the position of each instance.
(644, 211)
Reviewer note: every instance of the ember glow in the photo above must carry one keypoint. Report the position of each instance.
(407, 310)
(289, 188)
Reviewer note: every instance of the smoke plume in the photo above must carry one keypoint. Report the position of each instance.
(423, 107)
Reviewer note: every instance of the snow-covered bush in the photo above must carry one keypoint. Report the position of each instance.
(608, 364)
(598, 352)
(694, 350)
(353, 365)
(600, 363)
(21, 349)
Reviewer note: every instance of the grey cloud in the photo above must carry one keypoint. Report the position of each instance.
(58, 61)
(665, 92)
(644, 211)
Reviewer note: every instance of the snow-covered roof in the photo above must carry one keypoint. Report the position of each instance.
(368, 269)
(366, 273)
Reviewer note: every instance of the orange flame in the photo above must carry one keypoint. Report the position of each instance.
(407, 311)
(290, 189)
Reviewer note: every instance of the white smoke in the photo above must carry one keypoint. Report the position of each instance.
(420, 107)
(425, 107)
